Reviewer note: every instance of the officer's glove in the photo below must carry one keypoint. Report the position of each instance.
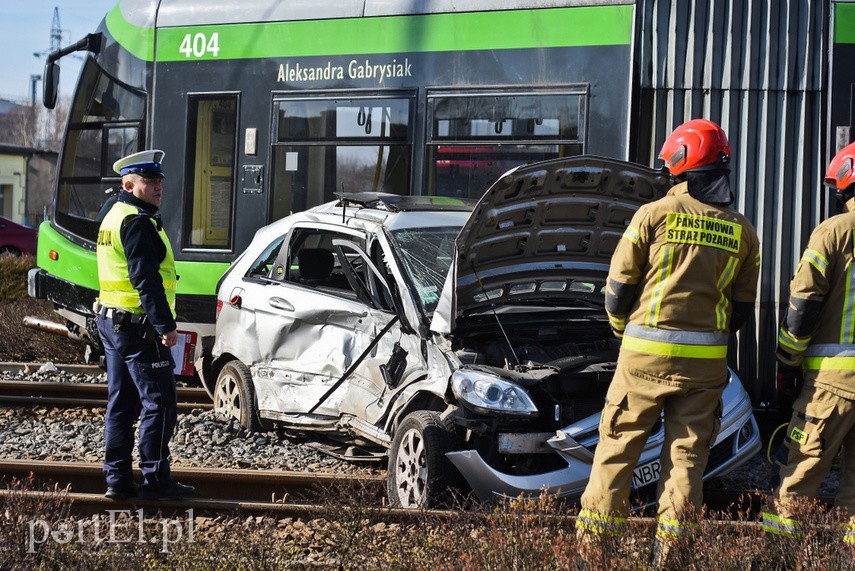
(790, 379)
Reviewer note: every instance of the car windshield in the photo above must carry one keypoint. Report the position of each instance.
(427, 255)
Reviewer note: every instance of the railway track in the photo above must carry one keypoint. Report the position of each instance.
(259, 490)
(91, 395)
(248, 492)
(217, 490)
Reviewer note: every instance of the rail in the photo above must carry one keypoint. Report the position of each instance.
(92, 395)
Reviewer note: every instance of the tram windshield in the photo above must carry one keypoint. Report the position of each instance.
(104, 124)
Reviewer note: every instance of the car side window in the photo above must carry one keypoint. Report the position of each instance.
(312, 260)
(263, 266)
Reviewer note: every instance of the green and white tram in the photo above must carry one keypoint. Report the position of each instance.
(265, 108)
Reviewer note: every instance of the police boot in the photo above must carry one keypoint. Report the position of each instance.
(168, 490)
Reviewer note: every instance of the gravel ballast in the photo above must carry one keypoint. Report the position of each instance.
(205, 439)
(202, 438)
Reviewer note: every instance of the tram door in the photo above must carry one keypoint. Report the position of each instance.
(214, 124)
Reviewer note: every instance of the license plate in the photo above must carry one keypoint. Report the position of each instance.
(525, 443)
(646, 473)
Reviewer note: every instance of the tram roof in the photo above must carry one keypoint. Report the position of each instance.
(191, 13)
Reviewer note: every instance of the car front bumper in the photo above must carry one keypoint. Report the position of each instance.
(738, 441)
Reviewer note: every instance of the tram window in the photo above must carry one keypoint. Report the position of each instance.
(305, 176)
(104, 124)
(87, 153)
(121, 142)
(327, 145)
(324, 119)
(212, 132)
(474, 138)
(467, 171)
(110, 102)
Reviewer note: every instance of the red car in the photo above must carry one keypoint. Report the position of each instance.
(16, 239)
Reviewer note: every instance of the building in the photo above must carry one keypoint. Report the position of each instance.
(26, 183)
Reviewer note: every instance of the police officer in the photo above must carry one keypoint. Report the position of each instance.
(816, 346)
(682, 279)
(136, 323)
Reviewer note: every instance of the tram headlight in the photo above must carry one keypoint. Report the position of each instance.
(486, 393)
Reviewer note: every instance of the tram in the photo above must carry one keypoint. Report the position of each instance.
(265, 108)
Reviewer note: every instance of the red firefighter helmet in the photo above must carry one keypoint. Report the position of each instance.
(698, 144)
(841, 170)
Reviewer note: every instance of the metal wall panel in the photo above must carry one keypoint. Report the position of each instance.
(756, 67)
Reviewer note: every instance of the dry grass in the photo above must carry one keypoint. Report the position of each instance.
(355, 534)
(20, 343)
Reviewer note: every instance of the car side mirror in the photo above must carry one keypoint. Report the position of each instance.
(50, 86)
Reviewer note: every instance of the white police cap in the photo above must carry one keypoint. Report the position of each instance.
(143, 163)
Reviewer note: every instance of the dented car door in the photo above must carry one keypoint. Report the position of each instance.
(315, 326)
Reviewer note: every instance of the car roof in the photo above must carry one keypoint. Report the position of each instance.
(392, 211)
(406, 203)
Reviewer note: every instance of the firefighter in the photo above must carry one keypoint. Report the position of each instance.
(682, 279)
(136, 323)
(816, 362)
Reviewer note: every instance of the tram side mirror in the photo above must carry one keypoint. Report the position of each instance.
(51, 84)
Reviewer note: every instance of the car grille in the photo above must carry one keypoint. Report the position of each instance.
(720, 453)
(578, 395)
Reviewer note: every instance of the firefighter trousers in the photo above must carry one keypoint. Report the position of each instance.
(692, 418)
(821, 423)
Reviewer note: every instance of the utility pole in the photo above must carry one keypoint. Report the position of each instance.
(56, 38)
(55, 31)
(55, 35)
(34, 79)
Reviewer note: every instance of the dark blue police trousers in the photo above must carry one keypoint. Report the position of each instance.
(140, 383)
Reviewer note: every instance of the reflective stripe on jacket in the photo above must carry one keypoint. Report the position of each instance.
(674, 275)
(116, 289)
(692, 344)
(818, 329)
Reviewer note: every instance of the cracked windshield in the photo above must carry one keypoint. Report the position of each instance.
(427, 257)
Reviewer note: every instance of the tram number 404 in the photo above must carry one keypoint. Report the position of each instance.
(199, 45)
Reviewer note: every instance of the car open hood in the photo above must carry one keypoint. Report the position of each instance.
(544, 231)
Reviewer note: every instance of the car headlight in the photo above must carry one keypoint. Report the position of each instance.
(487, 393)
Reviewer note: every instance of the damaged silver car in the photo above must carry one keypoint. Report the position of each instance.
(465, 344)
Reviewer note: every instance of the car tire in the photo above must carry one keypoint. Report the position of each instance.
(234, 396)
(419, 475)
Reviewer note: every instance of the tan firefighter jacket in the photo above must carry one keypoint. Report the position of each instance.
(674, 277)
(818, 330)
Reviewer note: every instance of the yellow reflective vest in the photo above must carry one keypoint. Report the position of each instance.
(818, 330)
(116, 289)
(677, 269)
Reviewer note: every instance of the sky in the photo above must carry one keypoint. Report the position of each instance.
(25, 29)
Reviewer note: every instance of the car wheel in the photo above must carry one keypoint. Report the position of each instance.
(234, 395)
(419, 475)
